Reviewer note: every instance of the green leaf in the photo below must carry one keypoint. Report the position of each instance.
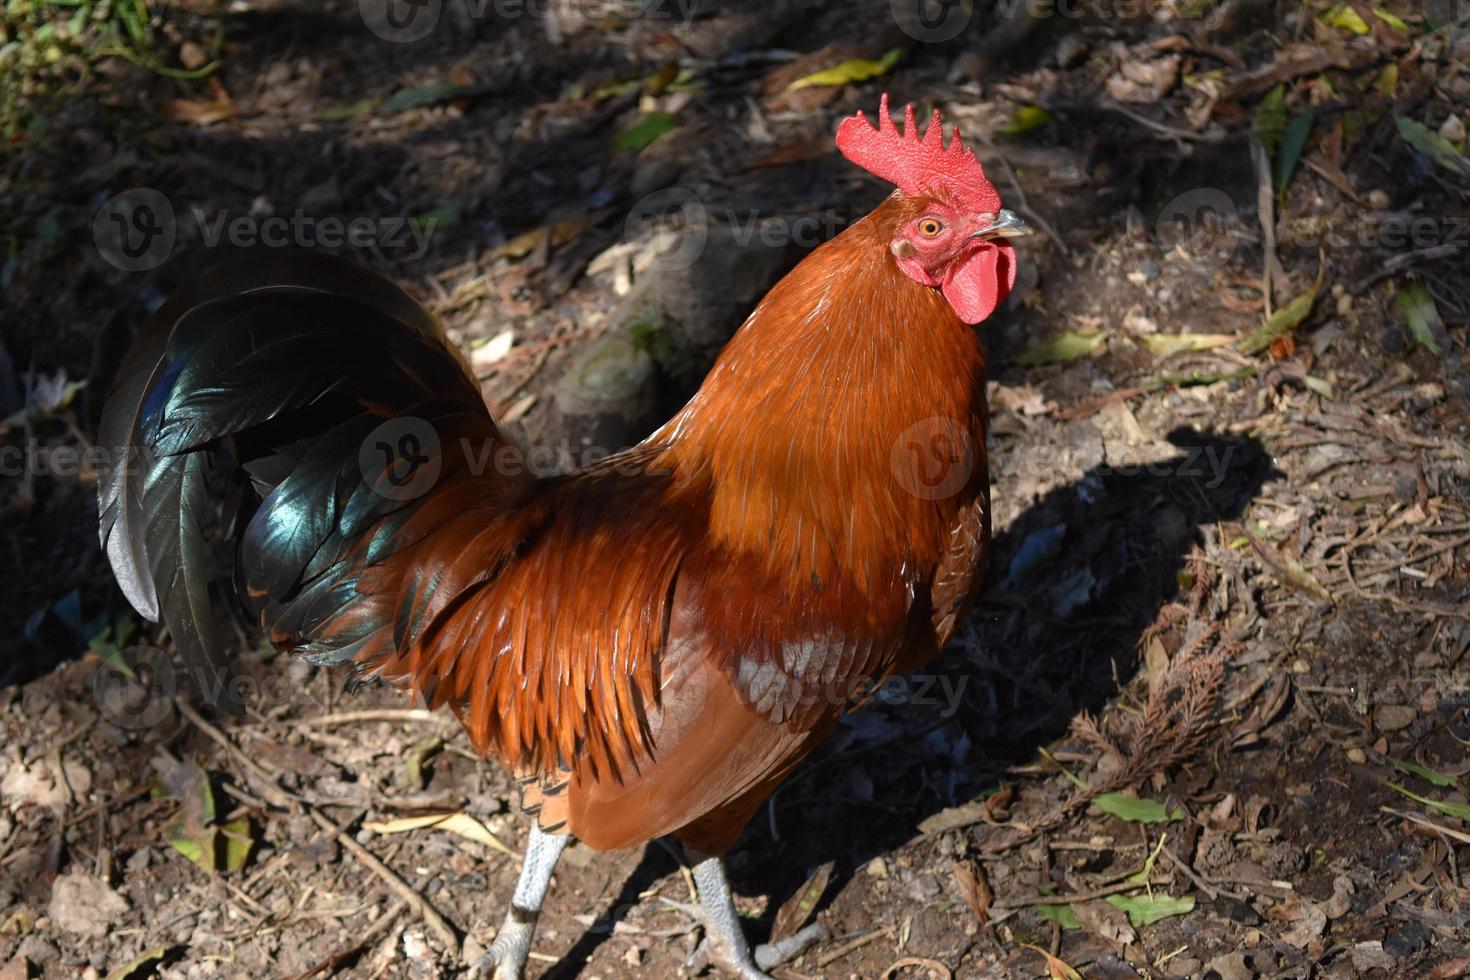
(345, 112)
(237, 844)
(1392, 21)
(1063, 348)
(197, 847)
(1062, 915)
(1135, 809)
(193, 834)
(416, 764)
(1271, 119)
(1418, 308)
(1145, 910)
(1387, 82)
(1143, 874)
(1345, 18)
(1165, 344)
(1461, 810)
(143, 966)
(1293, 140)
(1280, 323)
(1429, 775)
(1433, 145)
(440, 217)
(645, 131)
(424, 95)
(1025, 119)
(856, 70)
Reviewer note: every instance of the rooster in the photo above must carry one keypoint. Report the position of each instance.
(650, 644)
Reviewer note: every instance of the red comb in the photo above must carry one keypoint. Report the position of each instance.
(918, 166)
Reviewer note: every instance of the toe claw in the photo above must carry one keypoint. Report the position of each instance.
(770, 955)
(496, 964)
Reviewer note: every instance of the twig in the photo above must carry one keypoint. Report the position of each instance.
(271, 789)
(1021, 203)
(371, 714)
(862, 940)
(342, 958)
(1401, 261)
(1076, 897)
(279, 797)
(1158, 127)
(1463, 838)
(1272, 274)
(944, 972)
(390, 878)
(1386, 566)
(1214, 891)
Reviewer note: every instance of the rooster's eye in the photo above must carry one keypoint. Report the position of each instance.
(929, 227)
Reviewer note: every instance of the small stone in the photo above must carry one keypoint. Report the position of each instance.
(1239, 911)
(924, 887)
(1357, 756)
(1393, 717)
(1183, 966)
(1406, 940)
(192, 56)
(1452, 129)
(1231, 966)
(1371, 956)
(86, 905)
(1300, 666)
(1377, 199)
(877, 868)
(633, 956)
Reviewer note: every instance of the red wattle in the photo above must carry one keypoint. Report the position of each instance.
(976, 284)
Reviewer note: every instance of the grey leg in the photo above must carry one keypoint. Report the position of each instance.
(725, 939)
(506, 959)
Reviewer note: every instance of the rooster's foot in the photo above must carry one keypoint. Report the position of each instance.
(754, 965)
(725, 945)
(501, 962)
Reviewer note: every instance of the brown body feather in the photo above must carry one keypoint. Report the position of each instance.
(653, 645)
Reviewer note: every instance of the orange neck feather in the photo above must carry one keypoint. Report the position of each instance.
(799, 432)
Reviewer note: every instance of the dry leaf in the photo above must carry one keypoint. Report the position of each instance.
(1056, 967)
(493, 349)
(519, 409)
(202, 112)
(801, 906)
(975, 889)
(1307, 921)
(1105, 920)
(459, 823)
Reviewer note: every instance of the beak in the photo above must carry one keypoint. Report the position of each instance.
(1005, 225)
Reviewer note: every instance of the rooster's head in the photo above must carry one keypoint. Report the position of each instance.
(953, 231)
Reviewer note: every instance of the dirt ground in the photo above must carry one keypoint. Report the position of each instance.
(1210, 718)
